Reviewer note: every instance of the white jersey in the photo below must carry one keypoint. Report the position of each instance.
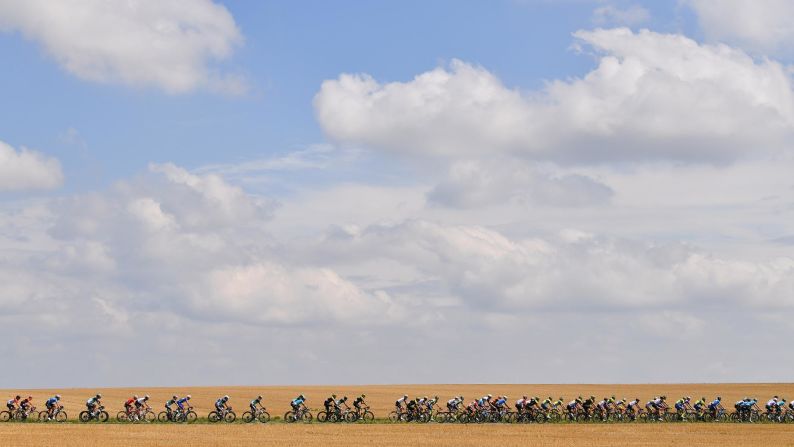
(453, 402)
(771, 403)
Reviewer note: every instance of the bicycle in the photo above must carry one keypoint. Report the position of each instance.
(136, 415)
(185, 415)
(361, 414)
(226, 415)
(260, 415)
(98, 414)
(58, 415)
(302, 414)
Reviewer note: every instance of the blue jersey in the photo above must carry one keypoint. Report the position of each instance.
(51, 401)
(714, 404)
(298, 401)
(501, 402)
(181, 402)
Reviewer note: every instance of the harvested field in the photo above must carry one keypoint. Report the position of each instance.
(72, 435)
(381, 399)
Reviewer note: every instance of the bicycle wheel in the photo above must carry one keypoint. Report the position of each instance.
(84, 416)
(121, 416)
(248, 417)
(289, 417)
(368, 416)
(229, 417)
(213, 417)
(43, 415)
(322, 416)
(163, 416)
(149, 416)
(264, 417)
(441, 417)
(103, 416)
(5, 416)
(61, 416)
(306, 417)
(351, 417)
(190, 417)
(394, 416)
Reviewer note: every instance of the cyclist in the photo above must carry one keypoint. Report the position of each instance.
(222, 405)
(680, 405)
(141, 405)
(781, 405)
(255, 405)
(329, 403)
(558, 403)
(92, 403)
(500, 404)
(168, 404)
(633, 407)
(401, 404)
(771, 405)
(180, 403)
(700, 406)
(12, 404)
(51, 404)
(588, 404)
(715, 406)
(298, 403)
(603, 407)
(454, 403)
(520, 404)
(660, 406)
(338, 405)
(360, 405)
(26, 405)
(430, 403)
(129, 404)
(573, 406)
(484, 401)
(412, 407)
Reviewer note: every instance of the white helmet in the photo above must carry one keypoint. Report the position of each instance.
(226, 397)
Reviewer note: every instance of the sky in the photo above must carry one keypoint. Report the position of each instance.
(195, 192)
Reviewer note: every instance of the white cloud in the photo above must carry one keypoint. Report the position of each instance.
(471, 184)
(653, 96)
(761, 26)
(165, 44)
(27, 169)
(610, 14)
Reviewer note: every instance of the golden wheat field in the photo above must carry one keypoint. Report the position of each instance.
(381, 399)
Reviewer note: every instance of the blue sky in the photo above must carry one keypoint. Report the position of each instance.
(377, 174)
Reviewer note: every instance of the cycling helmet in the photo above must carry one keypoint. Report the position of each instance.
(775, 397)
(536, 398)
(405, 396)
(187, 397)
(302, 396)
(58, 396)
(719, 398)
(259, 397)
(135, 396)
(98, 396)
(146, 397)
(174, 397)
(489, 396)
(344, 398)
(226, 397)
(551, 398)
(363, 396)
(561, 397)
(333, 395)
(19, 397)
(525, 397)
(504, 397)
(30, 397)
(425, 398)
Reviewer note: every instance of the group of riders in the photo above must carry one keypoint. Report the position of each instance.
(494, 408)
(22, 408)
(497, 408)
